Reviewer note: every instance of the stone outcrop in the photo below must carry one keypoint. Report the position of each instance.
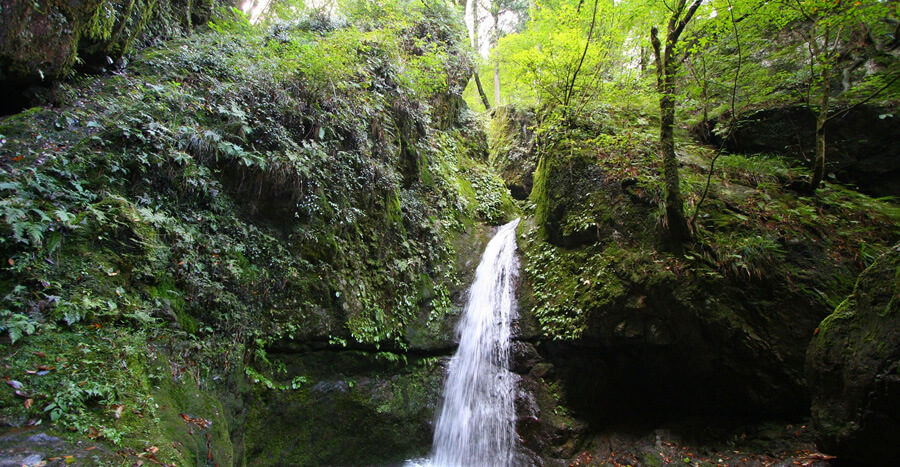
(513, 149)
(863, 145)
(42, 41)
(853, 368)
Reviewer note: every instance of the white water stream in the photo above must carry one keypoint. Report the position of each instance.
(476, 425)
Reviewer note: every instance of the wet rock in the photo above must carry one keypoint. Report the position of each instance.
(355, 408)
(41, 40)
(549, 433)
(35, 447)
(524, 357)
(853, 368)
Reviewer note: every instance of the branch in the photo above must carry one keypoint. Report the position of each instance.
(570, 88)
(872, 96)
(659, 65)
(684, 21)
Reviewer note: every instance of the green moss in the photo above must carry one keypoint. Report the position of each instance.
(571, 285)
(194, 420)
(349, 412)
(117, 388)
(181, 204)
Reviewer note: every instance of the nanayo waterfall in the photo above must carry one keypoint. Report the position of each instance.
(477, 421)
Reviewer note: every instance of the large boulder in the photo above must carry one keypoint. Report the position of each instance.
(863, 145)
(39, 40)
(853, 368)
(344, 407)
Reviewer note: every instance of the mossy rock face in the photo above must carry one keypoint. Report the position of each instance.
(513, 151)
(635, 331)
(354, 408)
(543, 423)
(863, 144)
(41, 41)
(853, 368)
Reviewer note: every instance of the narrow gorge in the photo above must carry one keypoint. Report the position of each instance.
(298, 233)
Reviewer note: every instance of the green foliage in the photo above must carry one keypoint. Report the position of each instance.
(754, 170)
(741, 256)
(548, 63)
(230, 190)
(16, 325)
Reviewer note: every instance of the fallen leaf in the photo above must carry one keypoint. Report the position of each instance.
(39, 354)
(28, 403)
(15, 384)
(118, 409)
(152, 449)
(91, 448)
(17, 158)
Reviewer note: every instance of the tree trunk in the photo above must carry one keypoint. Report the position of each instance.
(495, 14)
(666, 68)
(675, 220)
(821, 120)
(473, 36)
(484, 98)
(819, 160)
(497, 83)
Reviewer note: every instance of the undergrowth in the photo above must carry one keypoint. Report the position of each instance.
(229, 190)
(597, 201)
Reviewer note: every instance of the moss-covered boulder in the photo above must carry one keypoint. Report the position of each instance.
(636, 331)
(853, 368)
(344, 407)
(862, 144)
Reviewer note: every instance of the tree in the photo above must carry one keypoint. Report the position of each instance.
(564, 54)
(495, 9)
(826, 28)
(473, 8)
(667, 65)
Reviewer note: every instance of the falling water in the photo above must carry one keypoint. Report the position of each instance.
(476, 425)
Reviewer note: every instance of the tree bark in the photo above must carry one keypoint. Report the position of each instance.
(675, 219)
(819, 159)
(473, 36)
(821, 120)
(666, 69)
(484, 98)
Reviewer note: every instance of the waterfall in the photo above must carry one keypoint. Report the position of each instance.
(477, 421)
